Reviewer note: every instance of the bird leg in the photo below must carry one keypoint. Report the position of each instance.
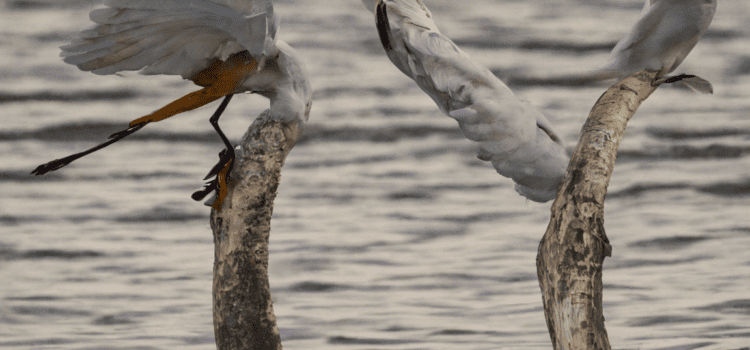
(672, 79)
(227, 154)
(220, 79)
(223, 168)
(59, 163)
(185, 103)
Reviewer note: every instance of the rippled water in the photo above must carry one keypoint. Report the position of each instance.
(388, 233)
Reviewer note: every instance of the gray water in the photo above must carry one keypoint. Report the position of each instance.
(387, 233)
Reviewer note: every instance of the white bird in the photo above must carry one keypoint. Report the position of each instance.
(225, 46)
(659, 41)
(516, 137)
(664, 35)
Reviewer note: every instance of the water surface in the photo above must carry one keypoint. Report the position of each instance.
(388, 233)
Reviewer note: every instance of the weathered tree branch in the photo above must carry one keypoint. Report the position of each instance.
(243, 310)
(572, 251)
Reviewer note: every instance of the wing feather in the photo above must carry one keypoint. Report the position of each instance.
(176, 37)
(662, 37)
(518, 140)
(645, 26)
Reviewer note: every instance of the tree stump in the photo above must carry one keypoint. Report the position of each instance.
(572, 251)
(243, 310)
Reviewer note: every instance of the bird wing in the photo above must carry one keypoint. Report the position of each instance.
(370, 5)
(416, 46)
(449, 75)
(514, 136)
(664, 35)
(174, 37)
(647, 6)
(646, 25)
(443, 70)
(631, 53)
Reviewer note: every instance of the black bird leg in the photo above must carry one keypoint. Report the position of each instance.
(227, 154)
(674, 79)
(694, 82)
(226, 157)
(59, 163)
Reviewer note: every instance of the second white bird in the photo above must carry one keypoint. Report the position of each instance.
(517, 138)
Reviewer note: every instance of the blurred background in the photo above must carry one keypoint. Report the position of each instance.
(388, 233)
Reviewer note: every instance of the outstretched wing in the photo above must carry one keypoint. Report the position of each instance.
(175, 37)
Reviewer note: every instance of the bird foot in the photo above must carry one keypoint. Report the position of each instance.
(220, 184)
(694, 82)
(226, 156)
(209, 187)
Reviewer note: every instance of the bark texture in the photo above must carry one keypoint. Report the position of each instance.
(572, 251)
(243, 310)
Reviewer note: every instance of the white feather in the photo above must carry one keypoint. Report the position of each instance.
(664, 35)
(177, 37)
(514, 136)
(183, 37)
(370, 5)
